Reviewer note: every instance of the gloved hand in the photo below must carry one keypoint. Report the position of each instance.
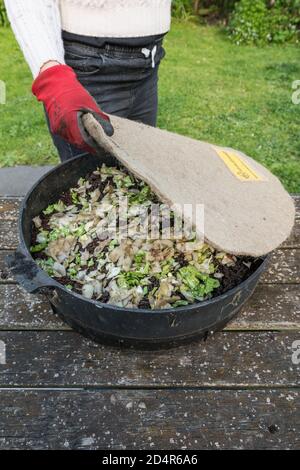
(66, 100)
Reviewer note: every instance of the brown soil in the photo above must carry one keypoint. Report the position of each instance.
(66, 198)
(232, 276)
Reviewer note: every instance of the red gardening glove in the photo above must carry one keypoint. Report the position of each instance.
(66, 101)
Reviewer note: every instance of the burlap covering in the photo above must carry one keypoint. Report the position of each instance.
(246, 209)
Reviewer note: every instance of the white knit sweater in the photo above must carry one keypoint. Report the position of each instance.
(37, 24)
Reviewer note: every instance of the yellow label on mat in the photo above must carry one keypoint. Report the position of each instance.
(237, 166)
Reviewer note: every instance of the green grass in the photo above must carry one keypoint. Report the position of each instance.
(209, 89)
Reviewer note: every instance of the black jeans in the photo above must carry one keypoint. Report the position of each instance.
(122, 80)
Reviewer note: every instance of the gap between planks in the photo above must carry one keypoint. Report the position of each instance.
(158, 387)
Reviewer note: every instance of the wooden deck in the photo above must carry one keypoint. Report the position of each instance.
(238, 390)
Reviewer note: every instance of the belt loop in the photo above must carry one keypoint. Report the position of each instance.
(147, 53)
(153, 52)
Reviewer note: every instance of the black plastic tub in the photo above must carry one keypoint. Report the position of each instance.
(106, 323)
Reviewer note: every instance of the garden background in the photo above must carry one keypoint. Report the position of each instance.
(227, 78)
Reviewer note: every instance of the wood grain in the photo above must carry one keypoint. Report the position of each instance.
(270, 307)
(284, 267)
(63, 359)
(9, 208)
(237, 390)
(147, 419)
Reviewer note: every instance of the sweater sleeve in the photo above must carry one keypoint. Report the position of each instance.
(37, 27)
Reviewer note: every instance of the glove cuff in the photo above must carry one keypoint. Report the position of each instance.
(52, 75)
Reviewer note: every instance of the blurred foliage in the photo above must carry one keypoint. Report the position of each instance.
(182, 9)
(3, 15)
(261, 22)
(206, 10)
(249, 21)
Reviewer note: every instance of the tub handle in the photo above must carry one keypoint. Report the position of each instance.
(27, 273)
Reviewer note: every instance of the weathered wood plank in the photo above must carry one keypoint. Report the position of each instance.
(64, 359)
(141, 419)
(5, 274)
(9, 208)
(20, 310)
(272, 307)
(9, 236)
(284, 267)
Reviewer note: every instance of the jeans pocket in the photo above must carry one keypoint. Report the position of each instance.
(83, 59)
(83, 65)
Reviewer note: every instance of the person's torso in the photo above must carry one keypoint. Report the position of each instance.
(115, 18)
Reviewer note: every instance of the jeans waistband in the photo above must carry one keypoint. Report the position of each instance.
(132, 50)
